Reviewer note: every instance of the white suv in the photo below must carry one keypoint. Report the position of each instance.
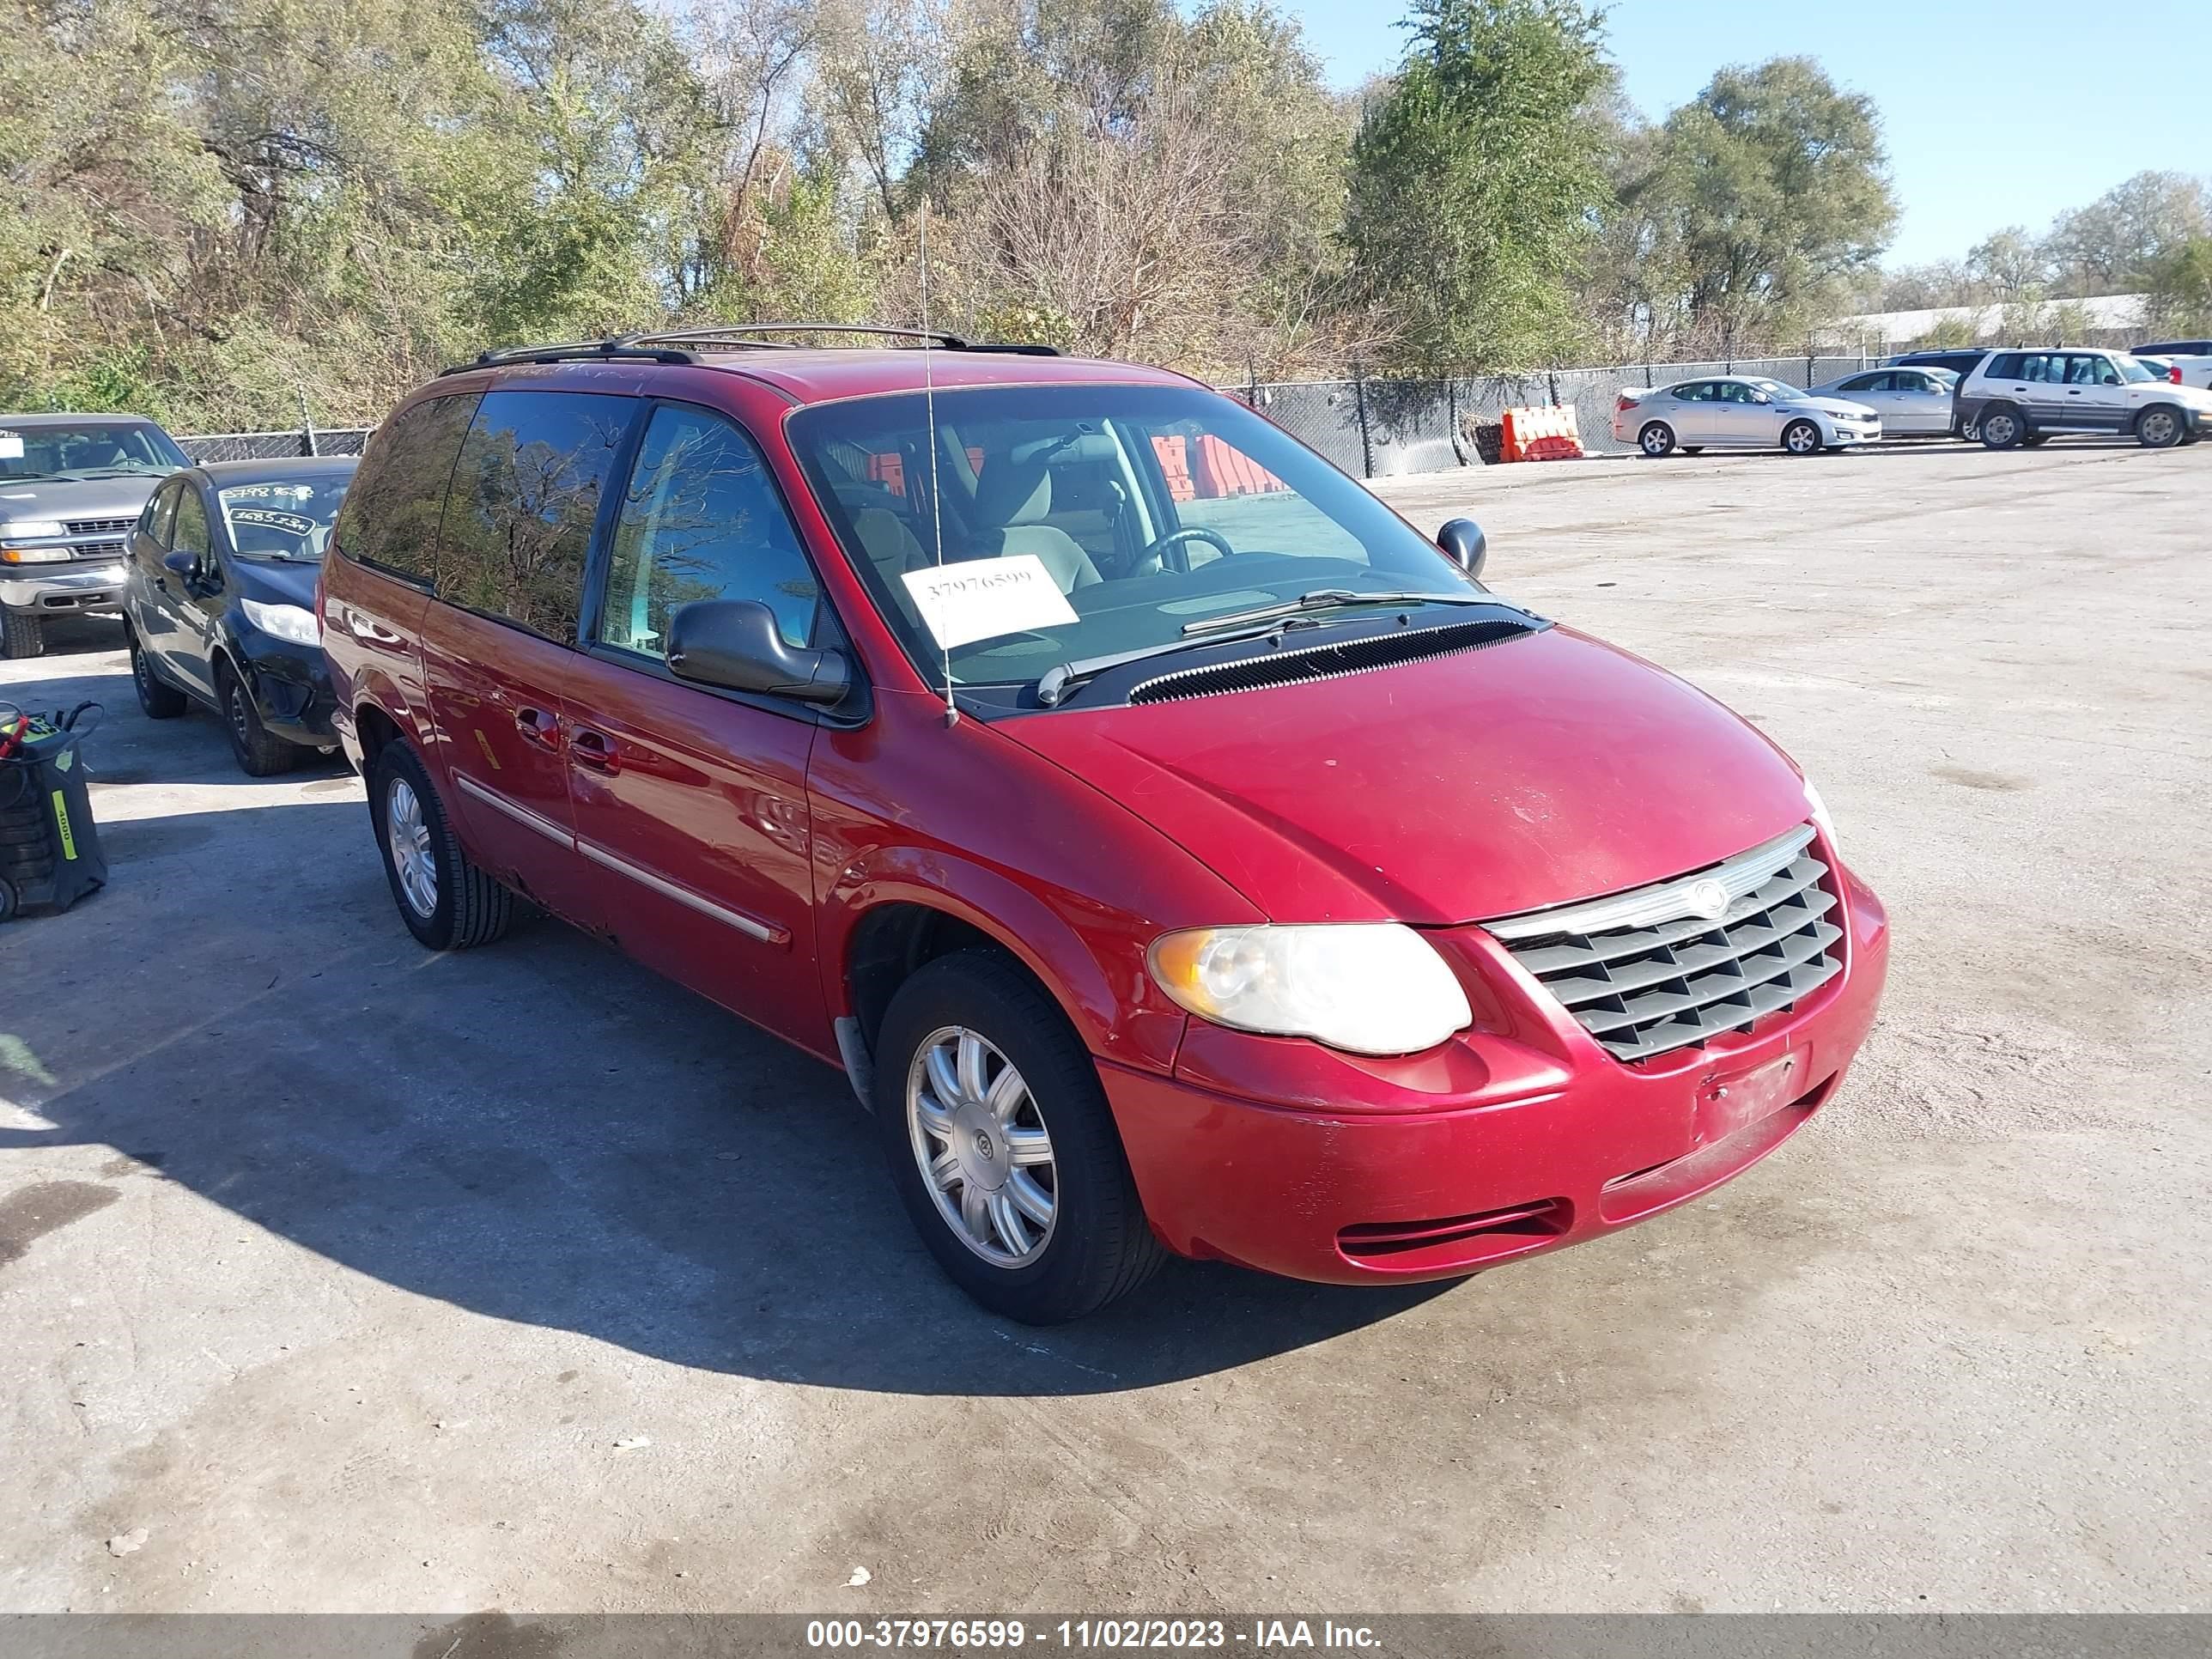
(2029, 396)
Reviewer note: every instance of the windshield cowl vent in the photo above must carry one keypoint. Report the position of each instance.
(1329, 662)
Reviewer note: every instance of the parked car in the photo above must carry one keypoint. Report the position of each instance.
(2030, 397)
(1739, 412)
(71, 486)
(1911, 402)
(2182, 371)
(1177, 849)
(219, 604)
(1961, 360)
(2175, 349)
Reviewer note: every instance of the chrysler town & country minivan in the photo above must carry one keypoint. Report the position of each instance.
(1179, 851)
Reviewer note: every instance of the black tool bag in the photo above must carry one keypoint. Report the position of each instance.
(50, 855)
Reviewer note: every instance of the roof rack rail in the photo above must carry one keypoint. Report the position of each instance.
(743, 334)
(572, 351)
(673, 345)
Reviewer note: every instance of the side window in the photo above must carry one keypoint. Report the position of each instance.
(2092, 369)
(1735, 391)
(2039, 368)
(700, 521)
(1869, 383)
(2004, 366)
(162, 513)
(1697, 391)
(525, 495)
(192, 525)
(390, 519)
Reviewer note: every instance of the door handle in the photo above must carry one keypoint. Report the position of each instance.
(593, 749)
(538, 726)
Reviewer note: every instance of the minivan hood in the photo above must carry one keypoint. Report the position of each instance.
(1536, 771)
(76, 498)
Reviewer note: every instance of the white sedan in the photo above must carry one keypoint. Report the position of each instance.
(1739, 412)
(1911, 402)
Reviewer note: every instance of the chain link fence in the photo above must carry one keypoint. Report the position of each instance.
(1379, 428)
(277, 446)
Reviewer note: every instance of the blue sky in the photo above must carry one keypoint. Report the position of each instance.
(1995, 114)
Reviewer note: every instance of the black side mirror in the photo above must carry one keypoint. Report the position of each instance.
(1464, 544)
(736, 644)
(181, 564)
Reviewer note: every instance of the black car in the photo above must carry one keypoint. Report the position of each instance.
(2173, 349)
(219, 602)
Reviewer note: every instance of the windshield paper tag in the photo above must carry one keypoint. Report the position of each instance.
(11, 446)
(980, 598)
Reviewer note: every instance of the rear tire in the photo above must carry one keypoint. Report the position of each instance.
(1098, 1245)
(2160, 427)
(460, 907)
(1656, 440)
(22, 634)
(1802, 438)
(259, 755)
(160, 701)
(2002, 428)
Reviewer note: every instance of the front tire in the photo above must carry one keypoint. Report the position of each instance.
(22, 634)
(1802, 438)
(2002, 428)
(446, 901)
(259, 755)
(2159, 426)
(159, 702)
(1656, 441)
(1002, 1147)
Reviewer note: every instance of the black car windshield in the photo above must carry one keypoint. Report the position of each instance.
(92, 449)
(284, 518)
(1081, 522)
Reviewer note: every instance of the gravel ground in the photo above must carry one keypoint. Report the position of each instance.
(336, 1276)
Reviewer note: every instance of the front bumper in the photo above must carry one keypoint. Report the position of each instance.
(56, 588)
(1866, 432)
(1299, 1161)
(291, 689)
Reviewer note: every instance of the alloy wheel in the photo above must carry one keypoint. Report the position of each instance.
(407, 833)
(981, 1142)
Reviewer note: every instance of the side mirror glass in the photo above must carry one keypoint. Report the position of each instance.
(181, 563)
(736, 645)
(1464, 544)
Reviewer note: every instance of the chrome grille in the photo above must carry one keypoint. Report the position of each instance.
(97, 527)
(97, 550)
(1667, 966)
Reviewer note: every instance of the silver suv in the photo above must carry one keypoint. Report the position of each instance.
(2031, 396)
(72, 486)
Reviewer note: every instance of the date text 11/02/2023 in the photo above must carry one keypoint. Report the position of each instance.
(1085, 1634)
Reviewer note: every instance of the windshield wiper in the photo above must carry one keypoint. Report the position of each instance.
(1327, 598)
(1056, 681)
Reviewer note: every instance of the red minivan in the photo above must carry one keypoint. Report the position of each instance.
(1178, 851)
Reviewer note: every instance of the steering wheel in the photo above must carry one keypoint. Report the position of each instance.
(1180, 539)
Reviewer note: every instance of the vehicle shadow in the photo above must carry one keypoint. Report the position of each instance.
(540, 1131)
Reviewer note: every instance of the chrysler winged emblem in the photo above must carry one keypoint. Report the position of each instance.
(1706, 898)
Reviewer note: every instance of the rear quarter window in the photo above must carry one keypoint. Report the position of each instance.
(2005, 365)
(391, 517)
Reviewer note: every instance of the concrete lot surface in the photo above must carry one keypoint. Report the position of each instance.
(334, 1275)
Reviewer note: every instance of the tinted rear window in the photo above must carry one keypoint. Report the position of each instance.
(525, 499)
(391, 515)
(2005, 365)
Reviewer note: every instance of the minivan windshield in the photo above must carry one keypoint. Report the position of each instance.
(1096, 520)
(287, 520)
(89, 449)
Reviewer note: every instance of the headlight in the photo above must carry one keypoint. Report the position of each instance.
(1370, 987)
(286, 622)
(29, 530)
(1825, 824)
(34, 554)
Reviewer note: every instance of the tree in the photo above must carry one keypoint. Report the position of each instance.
(2113, 245)
(1474, 189)
(2006, 264)
(1780, 188)
(2179, 297)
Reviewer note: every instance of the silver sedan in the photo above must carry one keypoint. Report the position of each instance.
(1911, 402)
(1739, 412)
